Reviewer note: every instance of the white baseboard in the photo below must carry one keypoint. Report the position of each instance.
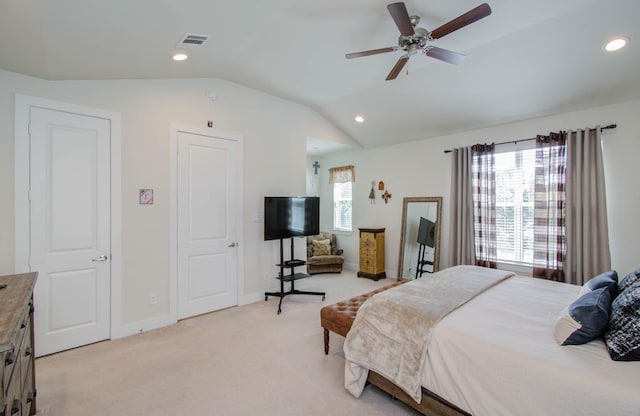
(351, 266)
(142, 326)
(251, 298)
(162, 321)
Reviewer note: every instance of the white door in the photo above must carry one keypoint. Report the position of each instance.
(207, 217)
(70, 228)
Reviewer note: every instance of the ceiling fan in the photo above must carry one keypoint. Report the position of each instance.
(414, 39)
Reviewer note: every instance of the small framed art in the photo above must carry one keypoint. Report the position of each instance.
(146, 196)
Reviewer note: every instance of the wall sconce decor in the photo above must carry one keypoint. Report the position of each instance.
(386, 195)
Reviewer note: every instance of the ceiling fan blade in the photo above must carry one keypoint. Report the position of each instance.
(445, 55)
(371, 52)
(400, 15)
(397, 67)
(459, 22)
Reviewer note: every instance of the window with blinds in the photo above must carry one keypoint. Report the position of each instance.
(342, 210)
(515, 179)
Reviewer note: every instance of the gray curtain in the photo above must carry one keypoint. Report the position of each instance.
(586, 217)
(461, 245)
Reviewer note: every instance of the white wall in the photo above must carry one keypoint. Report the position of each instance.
(274, 133)
(422, 169)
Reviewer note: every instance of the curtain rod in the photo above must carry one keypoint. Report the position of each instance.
(610, 126)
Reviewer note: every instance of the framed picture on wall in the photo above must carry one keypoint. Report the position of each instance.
(146, 196)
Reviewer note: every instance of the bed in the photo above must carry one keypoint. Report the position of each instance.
(493, 354)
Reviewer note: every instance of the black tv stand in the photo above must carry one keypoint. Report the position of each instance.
(291, 277)
(420, 268)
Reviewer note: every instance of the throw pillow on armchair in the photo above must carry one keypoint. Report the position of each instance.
(322, 254)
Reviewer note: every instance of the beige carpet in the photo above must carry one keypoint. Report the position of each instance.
(240, 361)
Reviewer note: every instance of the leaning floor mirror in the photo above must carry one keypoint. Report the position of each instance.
(420, 237)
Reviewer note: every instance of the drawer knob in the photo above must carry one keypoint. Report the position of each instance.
(15, 407)
(9, 359)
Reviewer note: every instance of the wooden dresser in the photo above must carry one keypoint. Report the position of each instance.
(372, 253)
(17, 373)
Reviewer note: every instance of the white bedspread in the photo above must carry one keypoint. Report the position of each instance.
(496, 355)
(391, 331)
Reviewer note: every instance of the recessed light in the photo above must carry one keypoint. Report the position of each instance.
(617, 43)
(180, 57)
(359, 119)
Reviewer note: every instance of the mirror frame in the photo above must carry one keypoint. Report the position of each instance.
(405, 204)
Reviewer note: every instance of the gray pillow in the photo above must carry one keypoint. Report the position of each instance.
(585, 319)
(607, 279)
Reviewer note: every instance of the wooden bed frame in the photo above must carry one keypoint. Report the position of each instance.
(431, 404)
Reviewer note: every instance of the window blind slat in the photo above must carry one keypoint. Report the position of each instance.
(342, 206)
(515, 176)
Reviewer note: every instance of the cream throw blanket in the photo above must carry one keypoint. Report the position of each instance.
(392, 329)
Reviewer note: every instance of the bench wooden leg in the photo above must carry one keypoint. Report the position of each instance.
(326, 341)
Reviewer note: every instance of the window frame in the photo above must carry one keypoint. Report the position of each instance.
(520, 267)
(336, 209)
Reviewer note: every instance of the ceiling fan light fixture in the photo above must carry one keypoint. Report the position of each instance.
(359, 119)
(616, 43)
(180, 56)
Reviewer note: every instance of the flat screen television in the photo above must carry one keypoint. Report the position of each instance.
(291, 216)
(427, 232)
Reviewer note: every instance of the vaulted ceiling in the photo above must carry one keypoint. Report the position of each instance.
(528, 58)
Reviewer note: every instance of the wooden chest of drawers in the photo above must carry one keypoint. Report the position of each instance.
(17, 372)
(372, 253)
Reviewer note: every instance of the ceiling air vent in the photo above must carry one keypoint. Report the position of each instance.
(192, 41)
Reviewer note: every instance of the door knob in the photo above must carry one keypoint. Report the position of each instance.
(101, 258)
(232, 244)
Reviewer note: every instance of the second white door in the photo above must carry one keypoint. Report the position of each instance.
(207, 231)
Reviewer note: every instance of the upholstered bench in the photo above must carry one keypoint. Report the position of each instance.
(339, 317)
